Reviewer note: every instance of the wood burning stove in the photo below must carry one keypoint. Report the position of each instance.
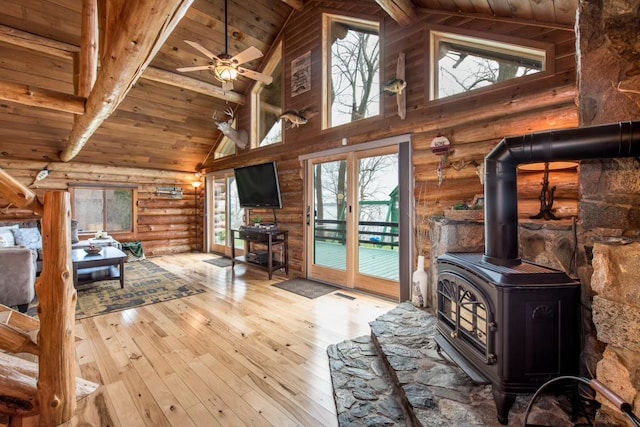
(511, 323)
(515, 327)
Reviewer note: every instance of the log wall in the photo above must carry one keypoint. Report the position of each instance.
(165, 225)
(474, 124)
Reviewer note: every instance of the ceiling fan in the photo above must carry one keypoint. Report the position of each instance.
(226, 68)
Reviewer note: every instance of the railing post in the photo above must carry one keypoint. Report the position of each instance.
(56, 310)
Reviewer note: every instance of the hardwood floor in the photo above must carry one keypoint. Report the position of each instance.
(242, 354)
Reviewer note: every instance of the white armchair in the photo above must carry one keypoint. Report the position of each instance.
(17, 277)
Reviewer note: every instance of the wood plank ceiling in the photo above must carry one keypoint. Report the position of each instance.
(164, 120)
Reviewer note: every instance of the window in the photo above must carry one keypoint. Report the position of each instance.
(352, 73)
(226, 148)
(461, 63)
(108, 208)
(267, 104)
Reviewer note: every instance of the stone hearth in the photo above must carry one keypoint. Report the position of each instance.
(397, 377)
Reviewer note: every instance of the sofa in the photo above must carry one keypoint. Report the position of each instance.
(27, 234)
(18, 267)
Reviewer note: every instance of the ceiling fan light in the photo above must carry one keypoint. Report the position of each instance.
(225, 73)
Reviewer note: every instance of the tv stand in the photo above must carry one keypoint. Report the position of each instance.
(270, 238)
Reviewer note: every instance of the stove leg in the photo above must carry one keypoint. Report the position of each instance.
(504, 402)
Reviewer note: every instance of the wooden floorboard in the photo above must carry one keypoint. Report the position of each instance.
(242, 354)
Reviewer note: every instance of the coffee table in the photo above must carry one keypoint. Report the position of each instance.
(110, 260)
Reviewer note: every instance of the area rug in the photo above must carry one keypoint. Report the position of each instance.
(306, 288)
(219, 262)
(144, 283)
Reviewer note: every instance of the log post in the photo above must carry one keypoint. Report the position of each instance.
(56, 310)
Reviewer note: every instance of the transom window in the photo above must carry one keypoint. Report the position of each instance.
(461, 63)
(104, 208)
(267, 103)
(352, 69)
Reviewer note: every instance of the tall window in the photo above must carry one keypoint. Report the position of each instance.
(461, 64)
(108, 208)
(352, 73)
(267, 103)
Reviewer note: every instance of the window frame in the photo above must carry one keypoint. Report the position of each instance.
(364, 22)
(499, 42)
(275, 58)
(73, 187)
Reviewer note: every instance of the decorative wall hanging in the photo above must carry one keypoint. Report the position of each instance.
(172, 192)
(301, 74)
(440, 146)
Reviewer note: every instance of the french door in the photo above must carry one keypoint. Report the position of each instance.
(226, 213)
(353, 220)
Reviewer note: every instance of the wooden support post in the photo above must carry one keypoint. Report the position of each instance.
(56, 310)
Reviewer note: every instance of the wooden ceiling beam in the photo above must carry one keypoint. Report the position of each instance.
(135, 35)
(39, 97)
(296, 4)
(86, 64)
(62, 50)
(401, 11)
(188, 83)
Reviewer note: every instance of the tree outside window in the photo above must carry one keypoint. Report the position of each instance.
(353, 58)
(103, 208)
(462, 64)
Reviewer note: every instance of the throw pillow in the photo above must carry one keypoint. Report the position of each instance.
(28, 237)
(3, 242)
(7, 235)
(74, 231)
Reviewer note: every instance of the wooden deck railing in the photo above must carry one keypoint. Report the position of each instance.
(334, 230)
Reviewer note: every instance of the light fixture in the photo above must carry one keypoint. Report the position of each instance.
(196, 184)
(224, 71)
(546, 194)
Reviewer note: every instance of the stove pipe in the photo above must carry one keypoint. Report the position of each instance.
(615, 140)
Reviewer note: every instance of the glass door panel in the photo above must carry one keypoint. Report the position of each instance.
(227, 213)
(219, 212)
(378, 216)
(236, 214)
(330, 200)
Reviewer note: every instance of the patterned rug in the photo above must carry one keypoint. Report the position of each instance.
(144, 283)
(306, 288)
(219, 262)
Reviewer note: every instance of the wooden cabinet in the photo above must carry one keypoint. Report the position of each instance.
(260, 247)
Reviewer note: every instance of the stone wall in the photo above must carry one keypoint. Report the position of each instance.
(616, 315)
(608, 49)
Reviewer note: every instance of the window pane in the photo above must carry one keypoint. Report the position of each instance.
(225, 148)
(355, 58)
(88, 209)
(464, 64)
(119, 215)
(219, 211)
(269, 109)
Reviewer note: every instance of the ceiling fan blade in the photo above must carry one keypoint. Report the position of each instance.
(249, 54)
(264, 78)
(196, 68)
(201, 49)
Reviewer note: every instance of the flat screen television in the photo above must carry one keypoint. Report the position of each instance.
(258, 186)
